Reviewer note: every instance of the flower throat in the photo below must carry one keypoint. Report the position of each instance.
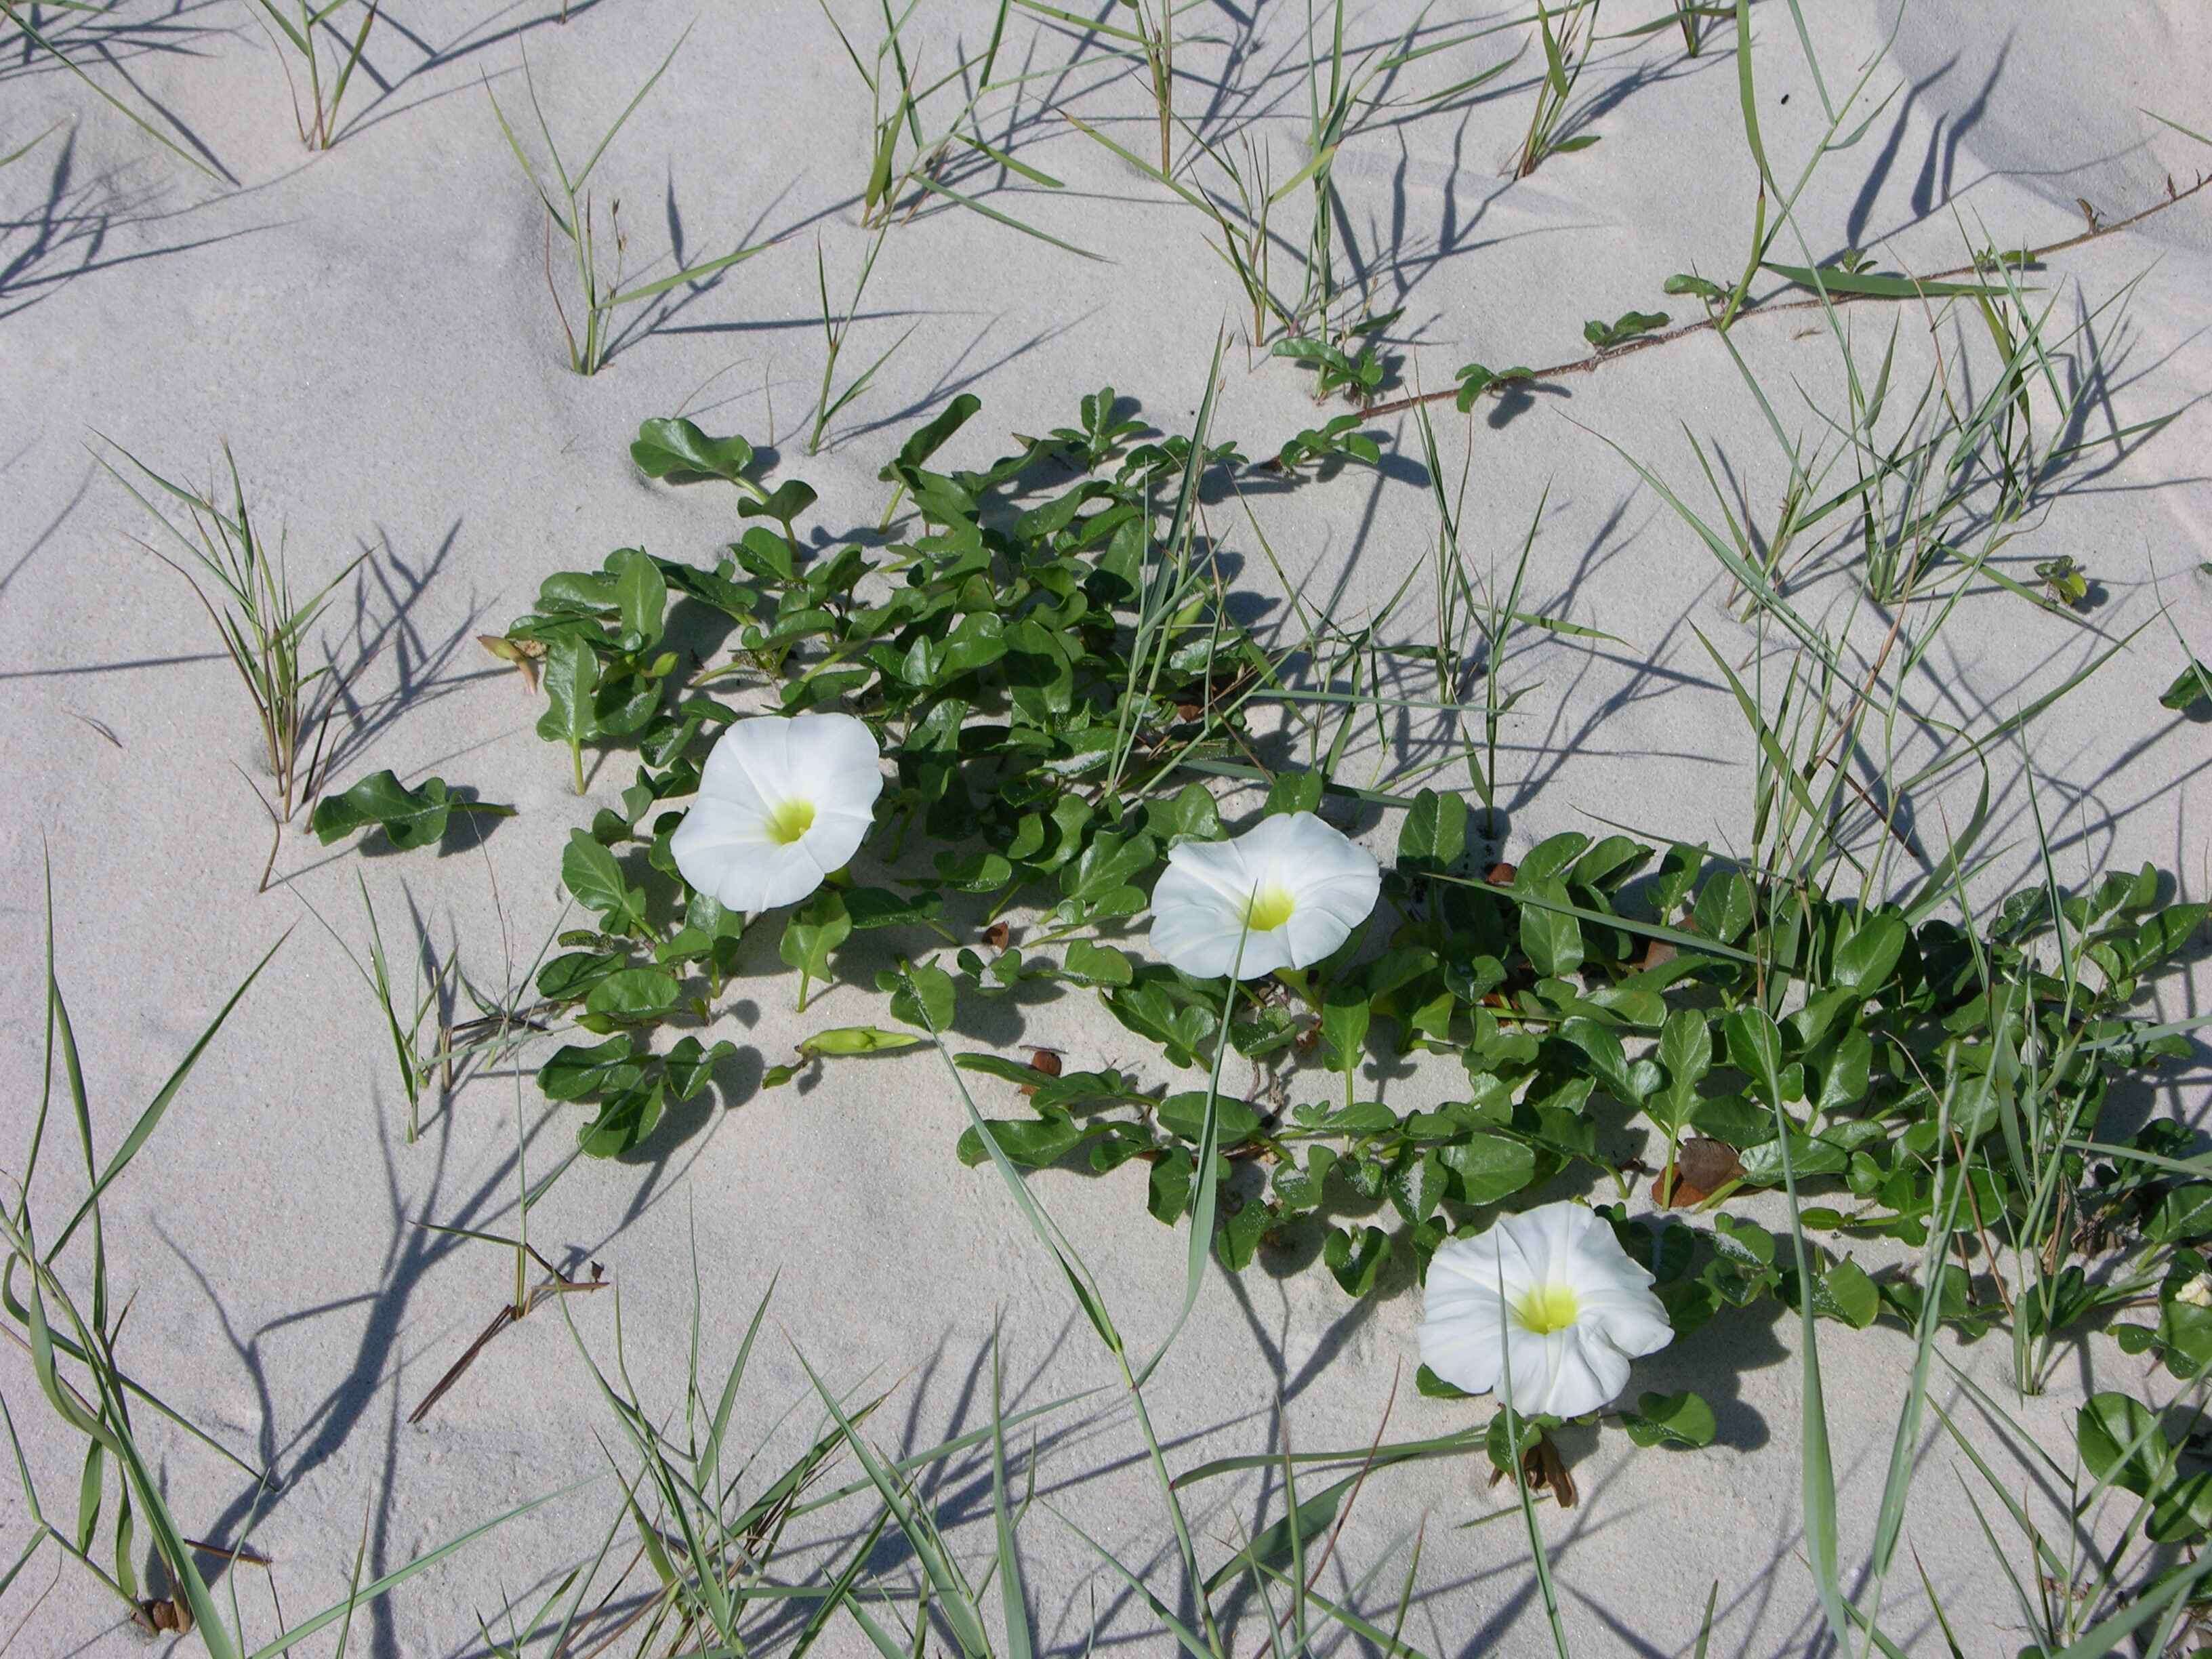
(1270, 907)
(788, 820)
(1548, 1308)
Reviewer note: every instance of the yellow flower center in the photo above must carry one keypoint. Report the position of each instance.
(1548, 1308)
(787, 820)
(1270, 907)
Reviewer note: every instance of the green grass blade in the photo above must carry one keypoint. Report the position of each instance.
(150, 1118)
(628, 109)
(1014, 1602)
(1007, 219)
(921, 1536)
(421, 1564)
(8, 8)
(690, 274)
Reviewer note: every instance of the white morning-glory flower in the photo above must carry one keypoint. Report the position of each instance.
(783, 800)
(1551, 1294)
(1290, 890)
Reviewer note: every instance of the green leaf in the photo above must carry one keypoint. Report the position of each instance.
(1109, 863)
(1671, 1419)
(1237, 1240)
(812, 932)
(1294, 791)
(633, 996)
(1188, 814)
(840, 1041)
(1866, 960)
(1475, 378)
(1551, 856)
(2190, 687)
(2122, 1443)
(1754, 1046)
(1745, 1244)
(591, 873)
(921, 995)
(1152, 1011)
(1344, 1020)
(1808, 1156)
(1630, 324)
(1434, 835)
(1686, 1049)
(623, 1123)
(785, 502)
(690, 1065)
(878, 907)
(1607, 1059)
(1682, 282)
(1724, 908)
(1429, 1386)
(1167, 1191)
(2183, 1214)
(1355, 1262)
(571, 679)
(1033, 1142)
(680, 452)
(1553, 939)
(409, 817)
(641, 595)
(1487, 1168)
(1184, 1113)
(1099, 964)
(575, 1072)
(1844, 1291)
(927, 442)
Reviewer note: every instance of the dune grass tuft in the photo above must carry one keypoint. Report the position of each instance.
(295, 28)
(597, 257)
(244, 586)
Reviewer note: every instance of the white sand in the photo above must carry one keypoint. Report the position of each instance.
(369, 329)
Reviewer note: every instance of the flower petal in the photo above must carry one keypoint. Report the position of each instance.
(1194, 926)
(838, 761)
(1579, 1376)
(724, 850)
(1221, 866)
(1475, 1284)
(1200, 902)
(1311, 934)
(834, 837)
(1462, 1337)
(775, 875)
(750, 762)
(725, 847)
(1485, 1262)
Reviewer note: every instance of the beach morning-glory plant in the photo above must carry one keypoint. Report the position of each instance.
(1058, 698)
(1287, 892)
(782, 802)
(1549, 1293)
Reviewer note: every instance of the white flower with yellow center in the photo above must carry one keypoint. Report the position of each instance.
(783, 800)
(1288, 891)
(1547, 1300)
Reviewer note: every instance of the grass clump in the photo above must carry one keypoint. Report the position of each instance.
(72, 1339)
(295, 27)
(244, 586)
(829, 401)
(597, 257)
(1568, 41)
(910, 163)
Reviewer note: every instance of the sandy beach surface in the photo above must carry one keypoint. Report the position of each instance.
(368, 329)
